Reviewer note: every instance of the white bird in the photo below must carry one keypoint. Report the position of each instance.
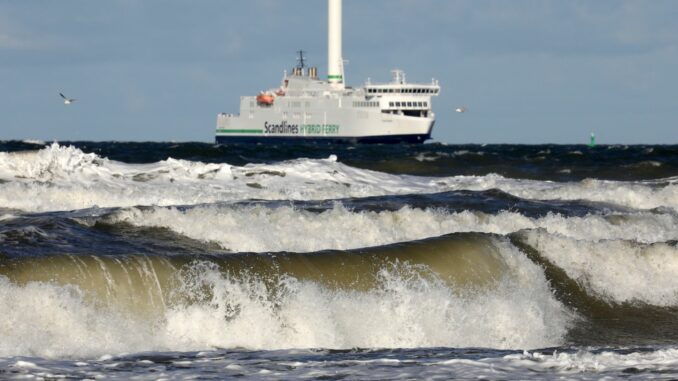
(460, 109)
(67, 100)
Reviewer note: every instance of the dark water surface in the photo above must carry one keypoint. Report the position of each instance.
(181, 260)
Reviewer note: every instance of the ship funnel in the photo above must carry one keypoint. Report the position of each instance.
(335, 63)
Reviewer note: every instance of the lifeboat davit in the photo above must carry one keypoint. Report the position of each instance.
(280, 92)
(265, 99)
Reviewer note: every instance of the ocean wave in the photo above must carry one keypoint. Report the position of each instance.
(65, 178)
(86, 306)
(259, 228)
(617, 271)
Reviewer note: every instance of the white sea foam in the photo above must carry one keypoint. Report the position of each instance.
(261, 228)
(6, 217)
(404, 310)
(590, 364)
(63, 178)
(618, 271)
(582, 365)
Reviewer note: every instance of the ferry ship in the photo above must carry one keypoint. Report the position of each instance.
(305, 108)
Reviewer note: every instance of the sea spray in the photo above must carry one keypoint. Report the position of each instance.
(207, 304)
(64, 178)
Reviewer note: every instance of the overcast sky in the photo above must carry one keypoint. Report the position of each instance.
(533, 71)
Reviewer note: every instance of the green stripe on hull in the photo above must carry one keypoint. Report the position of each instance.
(240, 131)
(334, 77)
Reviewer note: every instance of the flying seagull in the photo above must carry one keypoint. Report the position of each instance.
(460, 109)
(67, 100)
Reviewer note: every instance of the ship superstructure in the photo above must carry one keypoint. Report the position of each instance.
(306, 108)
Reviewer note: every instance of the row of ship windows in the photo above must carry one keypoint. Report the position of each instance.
(407, 104)
(289, 104)
(295, 115)
(365, 104)
(405, 91)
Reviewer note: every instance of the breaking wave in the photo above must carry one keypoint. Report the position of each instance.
(465, 290)
(262, 228)
(618, 271)
(65, 178)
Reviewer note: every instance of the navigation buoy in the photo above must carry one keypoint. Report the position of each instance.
(592, 143)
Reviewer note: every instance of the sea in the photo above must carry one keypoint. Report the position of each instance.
(186, 261)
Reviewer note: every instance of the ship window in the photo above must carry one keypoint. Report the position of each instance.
(409, 104)
(425, 104)
(390, 104)
(397, 104)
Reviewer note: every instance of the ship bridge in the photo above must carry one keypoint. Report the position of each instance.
(400, 86)
(402, 98)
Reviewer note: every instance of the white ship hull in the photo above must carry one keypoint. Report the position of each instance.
(345, 125)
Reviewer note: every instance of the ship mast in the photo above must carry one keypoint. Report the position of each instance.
(335, 63)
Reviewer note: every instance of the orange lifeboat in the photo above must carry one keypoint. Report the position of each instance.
(265, 99)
